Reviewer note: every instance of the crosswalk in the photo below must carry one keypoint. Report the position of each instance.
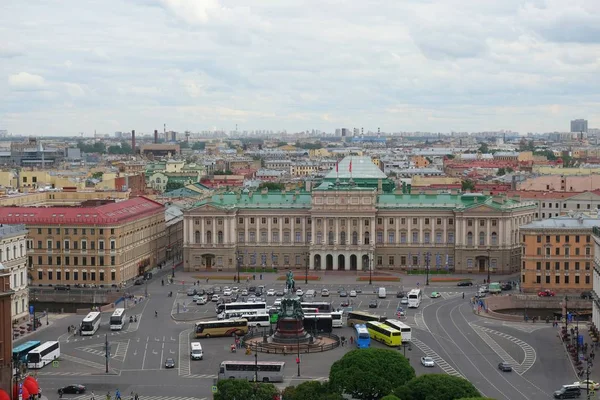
(118, 349)
(184, 345)
(82, 361)
(507, 358)
(200, 376)
(58, 373)
(440, 362)
(450, 295)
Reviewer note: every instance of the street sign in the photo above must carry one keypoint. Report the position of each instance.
(55, 363)
(31, 310)
(213, 389)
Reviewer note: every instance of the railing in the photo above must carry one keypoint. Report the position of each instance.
(290, 348)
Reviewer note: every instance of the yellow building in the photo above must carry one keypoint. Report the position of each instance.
(422, 181)
(420, 161)
(8, 179)
(56, 179)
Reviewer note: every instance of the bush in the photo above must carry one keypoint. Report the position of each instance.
(438, 387)
(311, 390)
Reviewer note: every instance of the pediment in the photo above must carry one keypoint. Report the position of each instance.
(483, 208)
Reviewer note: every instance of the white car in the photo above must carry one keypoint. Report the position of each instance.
(235, 289)
(427, 362)
(227, 292)
(215, 298)
(324, 293)
(584, 385)
(299, 292)
(271, 292)
(244, 292)
(201, 300)
(353, 293)
(251, 299)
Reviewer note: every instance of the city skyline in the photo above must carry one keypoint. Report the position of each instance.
(524, 66)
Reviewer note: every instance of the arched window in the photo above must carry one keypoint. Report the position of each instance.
(470, 239)
(208, 237)
(7, 253)
(355, 238)
(342, 238)
(481, 238)
(494, 239)
(220, 237)
(21, 250)
(15, 251)
(367, 238)
(330, 238)
(197, 237)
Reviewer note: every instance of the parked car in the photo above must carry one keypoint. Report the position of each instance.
(588, 384)
(427, 362)
(546, 293)
(201, 292)
(353, 293)
(279, 292)
(504, 367)
(400, 294)
(435, 295)
(210, 291)
(235, 289)
(373, 304)
(341, 289)
(404, 300)
(169, 363)
(138, 282)
(345, 303)
(343, 293)
(252, 289)
(227, 292)
(217, 289)
(464, 283)
(215, 298)
(324, 293)
(244, 292)
(358, 290)
(271, 292)
(192, 291)
(201, 300)
(72, 389)
(586, 295)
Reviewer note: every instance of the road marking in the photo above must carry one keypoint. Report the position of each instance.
(142, 396)
(63, 374)
(82, 361)
(447, 368)
(121, 352)
(200, 376)
(145, 351)
(184, 344)
(530, 354)
(497, 349)
(420, 322)
(162, 353)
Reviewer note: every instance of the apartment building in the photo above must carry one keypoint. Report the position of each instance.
(596, 278)
(558, 254)
(6, 335)
(104, 245)
(13, 261)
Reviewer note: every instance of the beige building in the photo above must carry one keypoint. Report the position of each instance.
(562, 182)
(355, 225)
(13, 262)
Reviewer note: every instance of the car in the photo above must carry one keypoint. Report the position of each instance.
(373, 304)
(252, 289)
(464, 283)
(202, 300)
(215, 298)
(210, 291)
(586, 295)
(404, 300)
(480, 295)
(504, 367)
(244, 292)
(201, 292)
(568, 392)
(341, 289)
(400, 294)
(138, 282)
(271, 292)
(505, 286)
(353, 293)
(427, 362)
(435, 295)
(169, 363)
(400, 312)
(358, 290)
(279, 292)
(72, 389)
(588, 384)
(546, 293)
(217, 289)
(345, 303)
(343, 293)
(484, 288)
(299, 292)
(324, 293)
(227, 292)
(252, 299)
(235, 289)
(196, 298)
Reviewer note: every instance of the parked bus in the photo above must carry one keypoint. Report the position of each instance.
(19, 353)
(382, 333)
(414, 298)
(90, 324)
(43, 355)
(317, 323)
(402, 327)
(240, 306)
(336, 317)
(225, 327)
(267, 371)
(361, 317)
(361, 336)
(238, 314)
(118, 319)
(257, 320)
(494, 288)
(322, 306)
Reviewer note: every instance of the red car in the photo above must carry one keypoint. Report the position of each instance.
(546, 293)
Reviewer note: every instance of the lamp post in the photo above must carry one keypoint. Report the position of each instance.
(256, 363)
(427, 269)
(239, 262)
(298, 357)
(566, 315)
(404, 346)
(370, 265)
(306, 270)
(488, 265)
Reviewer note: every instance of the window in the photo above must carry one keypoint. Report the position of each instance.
(538, 279)
(241, 237)
(299, 236)
(101, 231)
(438, 221)
(577, 279)
(112, 260)
(494, 239)
(275, 236)
(354, 238)
(93, 245)
(576, 238)
(113, 275)
(319, 238)
(576, 265)
(470, 239)
(379, 221)
(557, 279)
(75, 275)
(567, 279)
(113, 244)
(557, 238)
(556, 266)
(366, 222)
(286, 221)
(93, 260)
(481, 222)
(539, 239)
(414, 221)
(415, 237)
(557, 251)
(49, 244)
(451, 221)
(39, 244)
(220, 237)
(330, 238)
(587, 280)
(588, 239)
(240, 221)
(481, 238)
(101, 276)
(40, 275)
(469, 222)
(49, 260)
(402, 237)
(252, 220)
(547, 278)
(567, 239)
(67, 275)
(391, 237)
(58, 244)
(450, 237)
(298, 221)
(403, 221)
(274, 220)
(367, 238)
(58, 275)
(196, 238)
(588, 251)
(426, 221)
(538, 265)
(101, 261)
(391, 221)
(391, 260)
(379, 237)
(252, 237)
(49, 275)
(379, 260)
(67, 245)
(547, 266)
(208, 237)
(67, 260)
(587, 266)
(112, 231)
(494, 222)
(85, 276)
(263, 237)
(427, 237)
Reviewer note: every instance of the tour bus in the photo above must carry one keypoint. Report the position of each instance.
(263, 371)
(118, 319)
(361, 317)
(257, 320)
(402, 327)
(238, 314)
(43, 355)
(361, 336)
(240, 306)
(414, 298)
(494, 288)
(90, 324)
(382, 333)
(225, 327)
(19, 353)
(196, 351)
(317, 323)
(322, 306)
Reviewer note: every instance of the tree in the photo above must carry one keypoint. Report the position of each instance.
(97, 147)
(484, 148)
(509, 170)
(272, 186)
(467, 184)
(359, 373)
(230, 389)
(98, 175)
(390, 397)
(474, 398)
(173, 186)
(436, 386)
(501, 171)
(311, 390)
(227, 172)
(450, 156)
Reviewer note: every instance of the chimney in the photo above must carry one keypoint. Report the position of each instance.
(156, 136)
(133, 141)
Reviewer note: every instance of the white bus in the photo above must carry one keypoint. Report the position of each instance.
(238, 314)
(414, 298)
(118, 319)
(43, 355)
(243, 307)
(336, 318)
(402, 327)
(258, 320)
(196, 351)
(90, 324)
(267, 371)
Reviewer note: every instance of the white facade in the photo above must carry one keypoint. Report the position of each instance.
(13, 262)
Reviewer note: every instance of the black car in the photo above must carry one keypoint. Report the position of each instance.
(345, 303)
(201, 292)
(505, 286)
(169, 363)
(400, 294)
(139, 282)
(343, 293)
(504, 367)
(252, 289)
(373, 304)
(465, 283)
(586, 295)
(210, 291)
(72, 389)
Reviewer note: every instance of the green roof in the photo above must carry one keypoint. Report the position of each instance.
(258, 200)
(364, 174)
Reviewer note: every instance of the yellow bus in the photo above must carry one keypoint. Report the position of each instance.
(384, 334)
(225, 327)
(361, 317)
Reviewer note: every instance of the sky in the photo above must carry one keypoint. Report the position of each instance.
(70, 66)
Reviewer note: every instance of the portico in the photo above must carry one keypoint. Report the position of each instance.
(341, 260)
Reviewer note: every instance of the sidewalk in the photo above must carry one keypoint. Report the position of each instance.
(46, 321)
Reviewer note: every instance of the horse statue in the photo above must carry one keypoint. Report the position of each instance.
(290, 283)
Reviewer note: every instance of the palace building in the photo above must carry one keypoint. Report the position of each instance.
(355, 220)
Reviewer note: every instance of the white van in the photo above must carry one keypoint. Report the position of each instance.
(196, 351)
(310, 294)
(381, 293)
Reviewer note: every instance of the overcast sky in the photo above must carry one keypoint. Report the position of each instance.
(69, 66)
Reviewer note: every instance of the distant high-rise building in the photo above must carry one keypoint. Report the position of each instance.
(344, 132)
(579, 125)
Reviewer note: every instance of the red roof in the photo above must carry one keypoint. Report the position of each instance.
(107, 214)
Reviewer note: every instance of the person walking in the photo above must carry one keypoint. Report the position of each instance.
(463, 295)
(93, 396)
(107, 395)
(117, 395)
(60, 393)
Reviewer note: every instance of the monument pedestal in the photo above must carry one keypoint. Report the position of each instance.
(290, 331)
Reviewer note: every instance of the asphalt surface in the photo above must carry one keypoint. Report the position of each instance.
(461, 342)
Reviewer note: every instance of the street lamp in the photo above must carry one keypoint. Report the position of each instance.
(488, 265)
(427, 269)
(404, 346)
(298, 356)
(306, 271)
(370, 265)
(239, 262)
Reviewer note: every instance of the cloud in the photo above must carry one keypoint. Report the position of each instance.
(26, 82)
(75, 90)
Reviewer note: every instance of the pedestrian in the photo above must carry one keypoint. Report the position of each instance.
(463, 295)
(117, 395)
(60, 393)
(68, 329)
(136, 396)
(93, 397)
(351, 340)
(107, 395)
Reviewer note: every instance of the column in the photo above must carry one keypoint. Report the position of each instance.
(304, 232)
(385, 229)
(325, 233)
(257, 220)
(269, 230)
(397, 236)
(202, 237)
(373, 220)
(313, 232)
(233, 236)
(246, 222)
(225, 229)
(281, 230)
(293, 230)
(337, 231)
(445, 230)
(409, 234)
(360, 232)
(488, 233)
(420, 221)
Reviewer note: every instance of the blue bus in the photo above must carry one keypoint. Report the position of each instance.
(20, 352)
(362, 337)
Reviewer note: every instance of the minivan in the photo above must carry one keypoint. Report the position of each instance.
(381, 293)
(196, 351)
(568, 392)
(310, 294)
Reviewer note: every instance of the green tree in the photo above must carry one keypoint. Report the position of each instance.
(272, 186)
(227, 172)
(173, 186)
(467, 184)
(450, 156)
(509, 170)
(98, 175)
(311, 390)
(231, 389)
(438, 387)
(390, 397)
(199, 146)
(474, 398)
(97, 147)
(484, 148)
(359, 374)
(501, 171)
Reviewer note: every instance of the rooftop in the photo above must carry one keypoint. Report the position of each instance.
(12, 230)
(570, 221)
(362, 168)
